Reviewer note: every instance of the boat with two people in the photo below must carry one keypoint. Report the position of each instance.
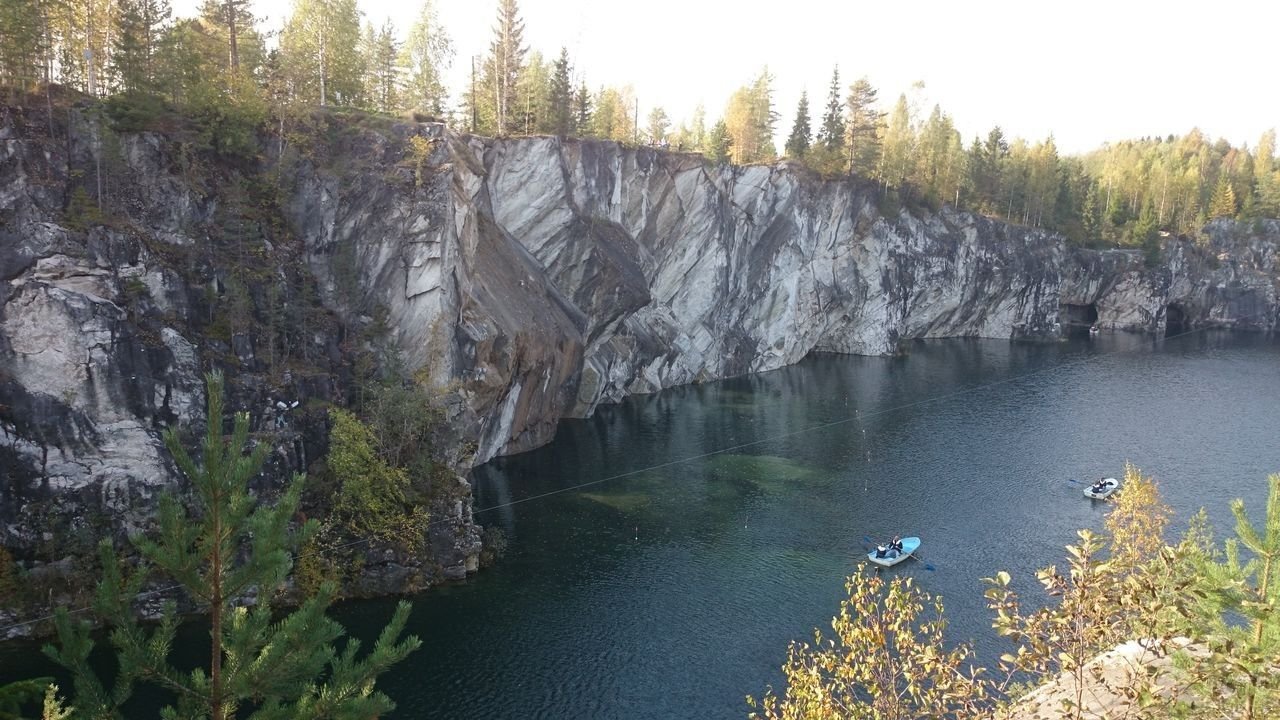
(1102, 489)
(894, 551)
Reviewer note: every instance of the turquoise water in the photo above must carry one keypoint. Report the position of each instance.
(673, 591)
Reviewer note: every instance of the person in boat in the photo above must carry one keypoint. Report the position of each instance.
(896, 545)
(1099, 486)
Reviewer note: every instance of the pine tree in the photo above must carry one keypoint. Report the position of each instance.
(224, 547)
(1223, 203)
(798, 142)
(427, 53)
(139, 29)
(719, 142)
(831, 134)
(582, 110)
(864, 127)
(560, 97)
(16, 695)
(235, 22)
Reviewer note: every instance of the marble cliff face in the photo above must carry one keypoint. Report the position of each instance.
(531, 279)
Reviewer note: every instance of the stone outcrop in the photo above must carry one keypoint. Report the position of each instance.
(529, 279)
(544, 276)
(1228, 279)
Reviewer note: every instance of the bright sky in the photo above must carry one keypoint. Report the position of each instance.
(1085, 70)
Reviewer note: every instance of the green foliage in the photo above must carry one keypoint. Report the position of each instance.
(224, 546)
(719, 143)
(864, 127)
(801, 137)
(135, 111)
(560, 97)
(1237, 618)
(496, 100)
(373, 494)
(16, 695)
(831, 133)
(82, 211)
(1223, 203)
(320, 44)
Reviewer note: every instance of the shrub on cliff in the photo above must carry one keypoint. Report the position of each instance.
(229, 553)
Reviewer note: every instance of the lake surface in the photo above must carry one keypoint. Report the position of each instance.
(671, 546)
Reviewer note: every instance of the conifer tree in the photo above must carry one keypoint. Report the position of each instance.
(863, 127)
(221, 549)
(560, 97)
(719, 142)
(382, 67)
(16, 695)
(798, 142)
(831, 134)
(1223, 204)
(582, 110)
(234, 20)
(139, 29)
(22, 43)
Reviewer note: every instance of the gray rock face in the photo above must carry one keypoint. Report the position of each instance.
(543, 277)
(530, 279)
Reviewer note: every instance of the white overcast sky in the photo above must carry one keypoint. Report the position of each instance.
(1085, 70)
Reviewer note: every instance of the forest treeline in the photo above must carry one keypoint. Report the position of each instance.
(223, 66)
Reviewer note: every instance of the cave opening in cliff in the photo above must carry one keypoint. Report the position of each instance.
(1078, 314)
(1175, 320)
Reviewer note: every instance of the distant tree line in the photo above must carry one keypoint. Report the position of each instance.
(221, 64)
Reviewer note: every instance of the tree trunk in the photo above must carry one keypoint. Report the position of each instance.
(322, 67)
(231, 34)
